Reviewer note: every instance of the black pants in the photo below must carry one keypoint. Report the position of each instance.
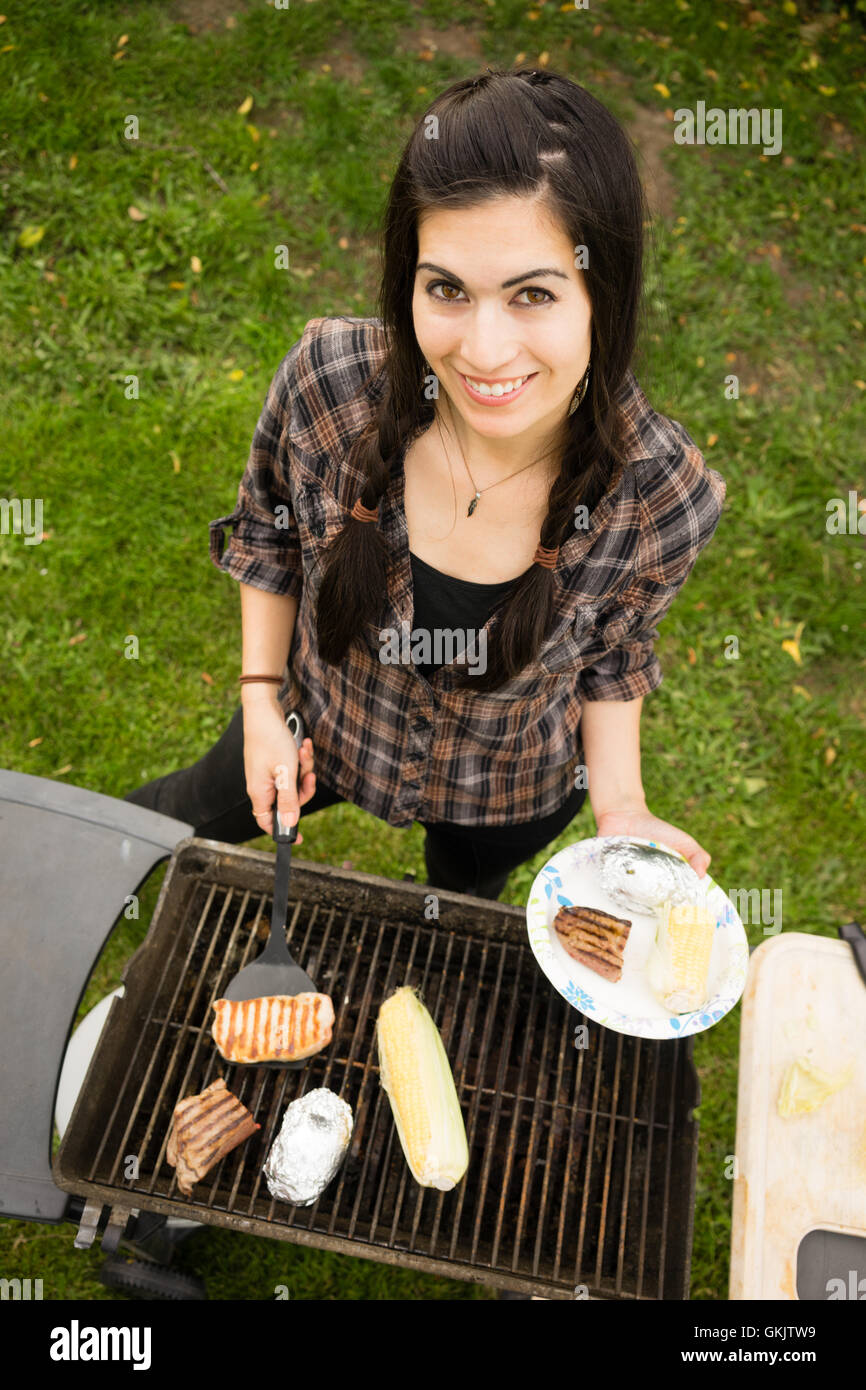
(211, 796)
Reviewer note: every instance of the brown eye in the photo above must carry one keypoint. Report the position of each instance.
(441, 285)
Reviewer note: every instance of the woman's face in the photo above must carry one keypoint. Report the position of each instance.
(470, 322)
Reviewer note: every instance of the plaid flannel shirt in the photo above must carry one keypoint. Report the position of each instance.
(400, 746)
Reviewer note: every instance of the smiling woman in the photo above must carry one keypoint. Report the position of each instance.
(477, 460)
(510, 298)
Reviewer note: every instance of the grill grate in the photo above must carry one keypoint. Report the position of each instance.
(582, 1161)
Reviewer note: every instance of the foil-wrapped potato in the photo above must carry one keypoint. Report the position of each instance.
(644, 877)
(309, 1148)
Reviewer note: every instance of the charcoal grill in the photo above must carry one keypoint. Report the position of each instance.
(582, 1161)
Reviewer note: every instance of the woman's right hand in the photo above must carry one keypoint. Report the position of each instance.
(272, 763)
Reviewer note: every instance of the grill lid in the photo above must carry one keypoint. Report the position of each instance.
(56, 912)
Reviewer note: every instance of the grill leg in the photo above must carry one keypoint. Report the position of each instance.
(156, 1238)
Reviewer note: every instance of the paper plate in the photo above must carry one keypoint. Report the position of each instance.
(572, 879)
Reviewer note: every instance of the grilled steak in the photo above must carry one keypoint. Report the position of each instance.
(204, 1129)
(593, 937)
(275, 1028)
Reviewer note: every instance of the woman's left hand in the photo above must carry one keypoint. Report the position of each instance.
(648, 827)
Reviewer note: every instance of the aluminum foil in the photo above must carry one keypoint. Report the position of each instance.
(309, 1148)
(644, 878)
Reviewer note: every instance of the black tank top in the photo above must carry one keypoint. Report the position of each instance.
(445, 602)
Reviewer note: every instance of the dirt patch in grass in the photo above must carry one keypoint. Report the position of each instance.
(345, 64)
(425, 42)
(200, 15)
(651, 132)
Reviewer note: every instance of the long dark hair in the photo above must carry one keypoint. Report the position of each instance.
(523, 133)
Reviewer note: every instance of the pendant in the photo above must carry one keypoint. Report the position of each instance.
(473, 504)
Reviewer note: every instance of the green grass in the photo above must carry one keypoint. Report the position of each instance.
(757, 271)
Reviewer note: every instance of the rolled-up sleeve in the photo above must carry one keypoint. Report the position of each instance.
(264, 548)
(628, 671)
(682, 502)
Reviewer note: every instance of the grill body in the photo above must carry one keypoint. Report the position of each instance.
(582, 1165)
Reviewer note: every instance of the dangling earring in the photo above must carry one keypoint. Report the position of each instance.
(581, 390)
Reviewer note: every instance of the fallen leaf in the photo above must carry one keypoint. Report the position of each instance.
(237, 374)
(801, 690)
(42, 96)
(73, 160)
(753, 785)
(33, 742)
(81, 637)
(175, 461)
(693, 656)
(661, 89)
(207, 678)
(793, 650)
(124, 38)
(253, 132)
(792, 645)
(136, 214)
(195, 264)
(177, 284)
(245, 106)
(829, 754)
(254, 166)
(30, 236)
(60, 770)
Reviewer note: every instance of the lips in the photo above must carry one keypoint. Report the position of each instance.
(495, 396)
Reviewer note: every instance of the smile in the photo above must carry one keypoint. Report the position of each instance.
(501, 393)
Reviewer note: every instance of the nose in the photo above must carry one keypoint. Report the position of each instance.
(488, 344)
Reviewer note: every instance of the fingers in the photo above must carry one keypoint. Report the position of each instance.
(306, 775)
(293, 784)
(699, 860)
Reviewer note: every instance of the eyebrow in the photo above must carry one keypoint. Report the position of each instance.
(506, 284)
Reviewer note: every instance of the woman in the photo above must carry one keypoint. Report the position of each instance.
(461, 521)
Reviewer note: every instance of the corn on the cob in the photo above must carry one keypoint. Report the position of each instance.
(679, 964)
(415, 1072)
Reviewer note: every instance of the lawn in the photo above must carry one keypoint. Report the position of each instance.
(152, 155)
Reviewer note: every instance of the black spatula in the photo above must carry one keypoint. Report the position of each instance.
(275, 971)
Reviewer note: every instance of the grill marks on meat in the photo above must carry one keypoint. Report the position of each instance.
(275, 1028)
(204, 1129)
(595, 938)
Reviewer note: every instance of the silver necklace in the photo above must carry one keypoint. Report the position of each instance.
(478, 491)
